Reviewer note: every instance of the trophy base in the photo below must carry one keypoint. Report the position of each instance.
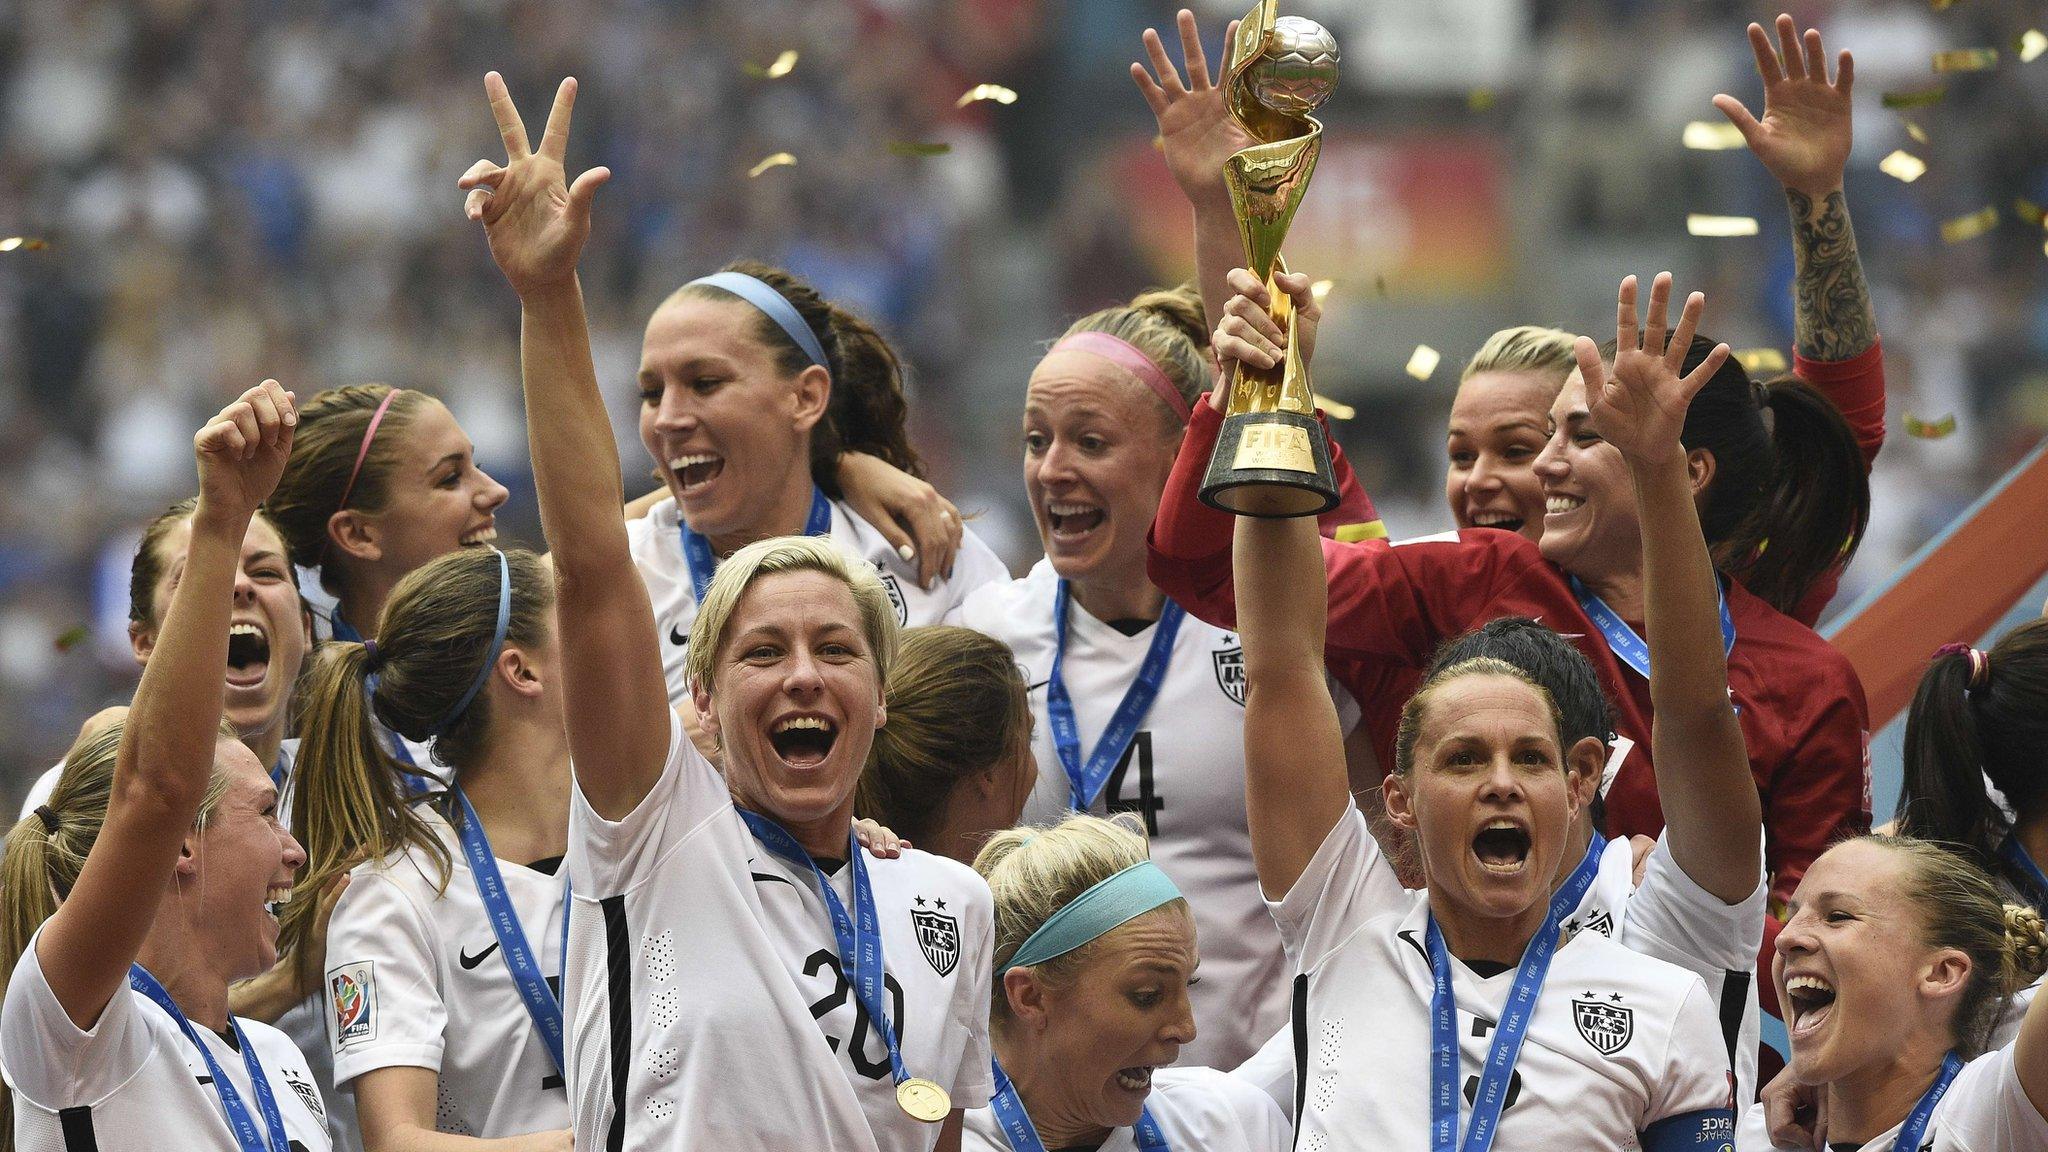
(1272, 465)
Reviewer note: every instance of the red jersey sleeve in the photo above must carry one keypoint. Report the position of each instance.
(1187, 552)
(1821, 792)
(1856, 386)
(1354, 517)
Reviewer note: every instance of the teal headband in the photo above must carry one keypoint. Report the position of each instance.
(1121, 898)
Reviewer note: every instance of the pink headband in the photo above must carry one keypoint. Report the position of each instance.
(363, 453)
(1127, 356)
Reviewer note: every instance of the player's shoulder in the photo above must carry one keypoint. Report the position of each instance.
(1013, 610)
(1763, 626)
(656, 533)
(411, 868)
(915, 871)
(1624, 970)
(1207, 1099)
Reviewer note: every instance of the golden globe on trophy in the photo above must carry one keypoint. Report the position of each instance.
(1272, 458)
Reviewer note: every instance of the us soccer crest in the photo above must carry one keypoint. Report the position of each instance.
(1230, 672)
(353, 994)
(895, 592)
(1608, 1027)
(308, 1095)
(938, 935)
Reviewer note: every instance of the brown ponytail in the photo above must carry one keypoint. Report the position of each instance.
(957, 708)
(348, 796)
(324, 448)
(868, 410)
(1168, 326)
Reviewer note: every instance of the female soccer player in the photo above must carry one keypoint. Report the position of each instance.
(108, 974)
(1979, 722)
(1095, 952)
(1138, 707)
(721, 923)
(1484, 777)
(954, 762)
(1893, 966)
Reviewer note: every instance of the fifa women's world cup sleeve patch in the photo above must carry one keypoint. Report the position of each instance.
(352, 994)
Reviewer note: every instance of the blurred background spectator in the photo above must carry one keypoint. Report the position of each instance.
(240, 188)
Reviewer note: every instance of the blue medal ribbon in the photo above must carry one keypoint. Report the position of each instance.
(1085, 781)
(240, 1122)
(1508, 1034)
(1023, 1137)
(859, 933)
(277, 772)
(2032, 880)
(1630, 648)
(540, 1000)
(703, 565)
(1908, 1139)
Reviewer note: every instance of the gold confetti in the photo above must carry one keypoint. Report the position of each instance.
(1966, 60)
(1422, 364)
(2027, 210)
(918, 148)
(1480, 99)
(1903, 166)
(1707, 136)
(995, 92)
(75, 635)
(1159, 143)
(1761, 361)
(2032, 44)
(1922, 98)
(1336, 409)
(778, 160)
(1970, 227)
(1918, 133)
(783, 66)
(23, 243)
(1700, 225)
(1320, 291)
(1930, 429)
(1941, 5)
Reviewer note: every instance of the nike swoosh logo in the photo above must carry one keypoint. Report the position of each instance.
(776, 879)
(468, 962)
(677, 636)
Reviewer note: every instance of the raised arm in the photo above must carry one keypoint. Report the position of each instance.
(1713, 816)
(1804, 139)
(617, 701)
(167, 749)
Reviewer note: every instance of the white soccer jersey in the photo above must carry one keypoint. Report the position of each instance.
(657, 545)
(134, 1082)
(1198, 1110)
(706, 1004)
(1984, 1110)
(1622, 1049)
(1183, 773)
(415, 978)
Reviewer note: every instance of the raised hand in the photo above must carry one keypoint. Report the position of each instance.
(1194, 124)
(1639, 407)
(535, 219)
(1248, 334)
(242, 450)
(1804, 135)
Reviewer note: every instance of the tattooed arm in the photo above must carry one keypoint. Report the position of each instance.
(1803, 138)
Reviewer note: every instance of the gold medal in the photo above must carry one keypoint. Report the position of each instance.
(923, 1100)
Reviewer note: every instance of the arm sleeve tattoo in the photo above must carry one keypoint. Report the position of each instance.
(1832, 313)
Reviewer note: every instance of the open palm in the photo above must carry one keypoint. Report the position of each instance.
(1195, 127)
(535, 220)
(1805, 133)
(1639, 405)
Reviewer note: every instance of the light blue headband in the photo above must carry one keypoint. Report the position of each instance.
(1123, 897)
(771, 304)
(483, 674)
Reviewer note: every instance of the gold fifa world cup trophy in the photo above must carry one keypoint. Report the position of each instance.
(1272, 458)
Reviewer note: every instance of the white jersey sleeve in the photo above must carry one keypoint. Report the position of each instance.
(1675, 920)
(1197, 1110)
(52, 1062)
(380, 949)
(39, 792)
(1692, 1100)
(1271, 1070)
(1348, 882)
(2007, 1029)
(618, 853)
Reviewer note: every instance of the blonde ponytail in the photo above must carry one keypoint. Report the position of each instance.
(2026, 946)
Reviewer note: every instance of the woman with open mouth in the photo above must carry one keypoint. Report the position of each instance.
(1895, 964)
(1095, 952)
(1574, 1039)
(1138, 707)
(722, 924)
(116, 1031)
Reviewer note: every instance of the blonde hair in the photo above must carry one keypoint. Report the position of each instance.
(41, 864)
(1410, 728)
(1168, 326)
(1528, 348)
(1961, 907)
(958, 706)
(790, 554)
(1035, 872)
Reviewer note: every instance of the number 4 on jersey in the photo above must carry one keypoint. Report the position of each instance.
(1147, 804)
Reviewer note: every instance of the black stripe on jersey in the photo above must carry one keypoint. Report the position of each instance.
(1297, 1019)
(619, 985)
(1734, 1001)
(78, 1133)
